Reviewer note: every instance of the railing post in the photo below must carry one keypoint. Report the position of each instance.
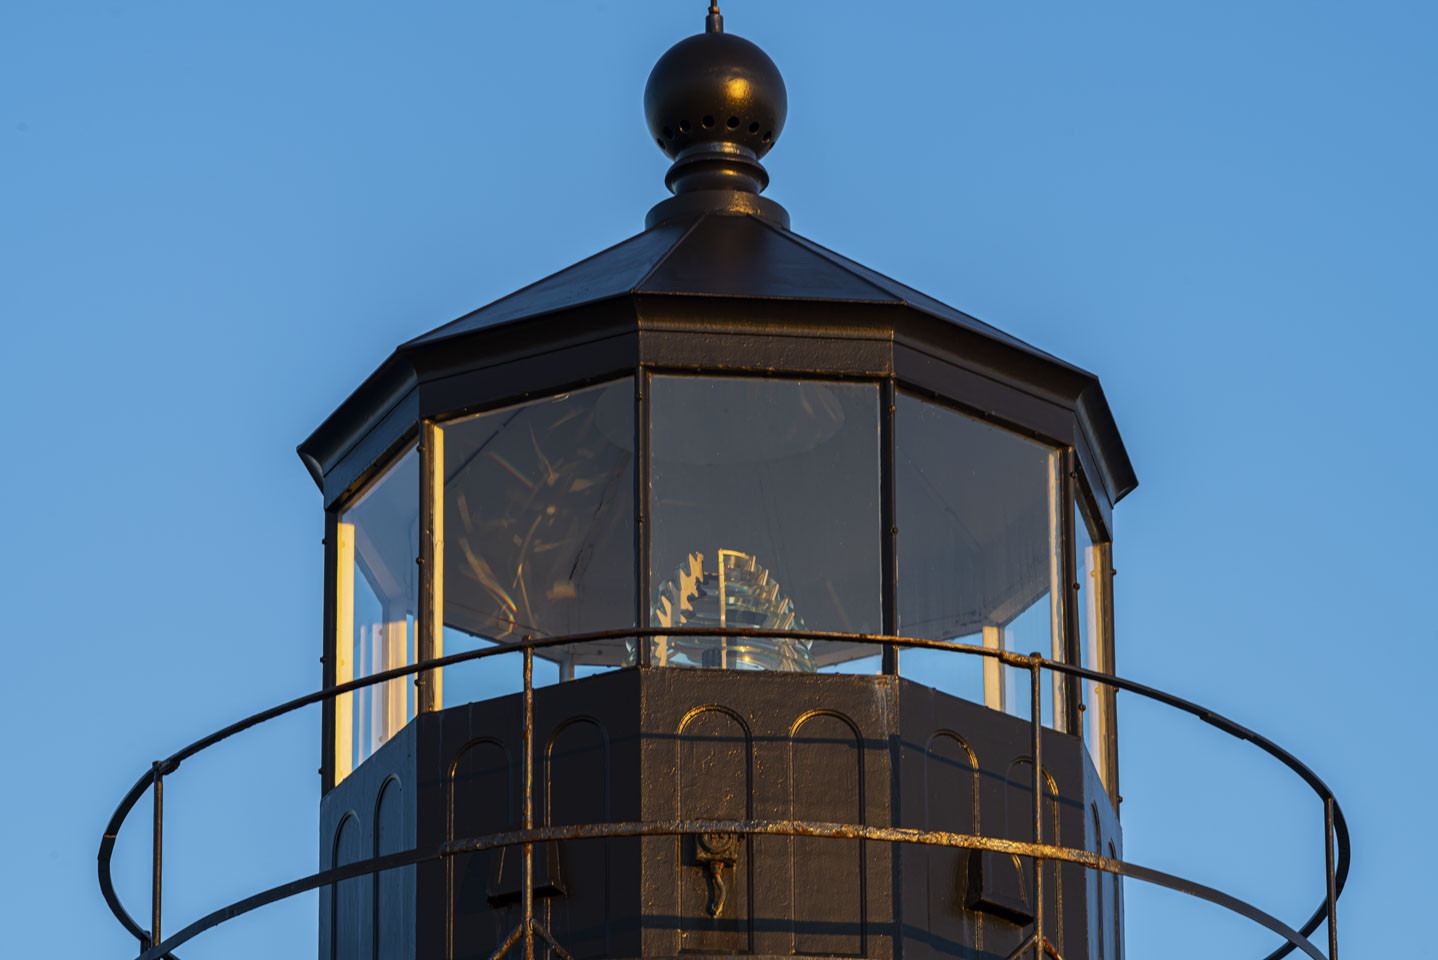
(1036, 699)
(157, 854)
(1330, 880)
(1336, 855)
(528, 895)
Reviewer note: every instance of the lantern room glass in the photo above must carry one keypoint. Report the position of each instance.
(377, 591)
(764, 511)
(764, 505)
(979, 557)
(538, 525)
(1086, 594)
(1092, 592)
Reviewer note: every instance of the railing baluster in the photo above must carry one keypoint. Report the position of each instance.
(157, 854)
(528, 895)
(1330, 880)
(1336, 839)
(1036, 716)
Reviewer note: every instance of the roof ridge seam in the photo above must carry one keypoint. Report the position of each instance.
(432, 334)
(840, 260)
(805, 243)
(639, 285)
(844, 263)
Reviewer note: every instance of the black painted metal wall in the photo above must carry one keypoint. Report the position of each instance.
(661, 745)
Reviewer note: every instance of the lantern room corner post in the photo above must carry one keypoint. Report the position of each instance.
(429, 625)
(1108, 694)
(643, 645)
(1060, 581)
(1068, 689)
(331, 656)
(888, 524)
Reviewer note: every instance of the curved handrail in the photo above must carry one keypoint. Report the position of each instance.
(790, 828)
(1337, 878)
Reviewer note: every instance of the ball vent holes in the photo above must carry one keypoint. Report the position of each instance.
(708, 122)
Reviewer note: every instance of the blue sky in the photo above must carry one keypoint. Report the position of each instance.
(215, 220)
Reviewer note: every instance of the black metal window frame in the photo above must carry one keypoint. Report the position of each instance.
(1074, 485)
(1084, 501)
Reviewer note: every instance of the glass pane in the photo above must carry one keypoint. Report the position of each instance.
(538, 535)
(378, 590)
(978, 553)
(1090, 567)
(764, 496)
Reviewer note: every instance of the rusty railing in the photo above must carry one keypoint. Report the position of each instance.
(155, 947)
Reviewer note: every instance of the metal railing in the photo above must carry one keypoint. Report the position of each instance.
(154, 947)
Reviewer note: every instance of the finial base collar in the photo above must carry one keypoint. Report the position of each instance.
(684, 206)
(716, 165)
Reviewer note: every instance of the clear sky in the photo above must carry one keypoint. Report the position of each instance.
(217, 219)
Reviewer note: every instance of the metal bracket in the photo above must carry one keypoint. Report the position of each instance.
(713, 851)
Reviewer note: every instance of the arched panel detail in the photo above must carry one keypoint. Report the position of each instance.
(387, 804)
(389, 911)
(347, 898)
(1116, 901)
(1018, 825)
(713, 764)
(585, 740)
(462, 766)
(826, 783)
(480, 801)
(1094, 882)
(951, 802)
(697, 712)
(951, 770)
(345, 848)
(578, 777)
(1018, 816)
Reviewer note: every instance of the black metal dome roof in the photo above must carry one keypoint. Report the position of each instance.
(716, 281)
(716, 256)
